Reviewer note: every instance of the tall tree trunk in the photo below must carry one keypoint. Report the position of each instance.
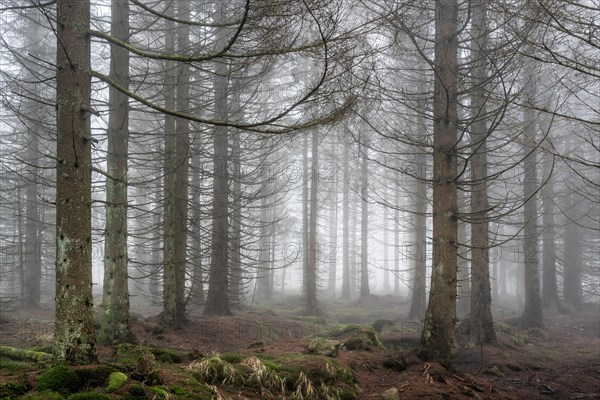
(386, 247)
(32, 262)
(481, 298)
(572, 290)
(263, 289)
(312, 307)
(182, 131)
(114, 326)
(397, 243)
(532, 313)
(437, 340)
(345, 225)
(464, 281)
(170, 310)
(549, 287)
(217, 299)
(305, 216)
(354, 276)
(74, 334)
(418, 263)
(236, 284)
(333, 222)
(365, 290)
(197, 248)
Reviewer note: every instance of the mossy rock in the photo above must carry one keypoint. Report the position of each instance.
(59, 378)
(167, 355)
(380, 324)
(140, 363)
(25, 355)
(43, 395)
(116, 381)
(89, 396)
(324, 347)
(364, 339)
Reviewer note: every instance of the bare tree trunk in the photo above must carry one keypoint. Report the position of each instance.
(437, 340)
(114, 326)
(386, 254)
(532, 313)
(550, 287)
(236, 286)
(365, 290)
(197, 248)
(397, 243)
(182, 131)
(312, 307)
(305, 216)
(170, 311)
(464, 284)
(74, 334)
(481, 298)
(418, 261)
(572, 290)
(217, 299)
(263, 289)
(32, 263)
(345, 225)
(333, 222)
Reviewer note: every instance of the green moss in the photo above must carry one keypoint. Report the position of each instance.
(178, 390)
(167, 355)
(135, 392)
(59, 378)
(140, 363)
(232, 358)
(95, 376)
(159, 391)
(20, 354)
(271, 365)
(18, 386)
(89, 396)
(116, 380)
(43, 395)
(12, 366)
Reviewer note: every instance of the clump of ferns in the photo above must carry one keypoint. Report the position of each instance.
(215, 370)
(259, 375)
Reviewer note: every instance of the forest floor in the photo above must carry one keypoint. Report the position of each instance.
(262, 352)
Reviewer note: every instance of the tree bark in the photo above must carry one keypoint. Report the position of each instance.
(74, 335)
(365, 290)
(549, 287)
(464, 280)
(437, 339)
(312, 307)
(532, 313)
(217, 299)
(333, 223)
(345, 225)
(572, 290)
(114, 326)
(170, 305)
(482, 322)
